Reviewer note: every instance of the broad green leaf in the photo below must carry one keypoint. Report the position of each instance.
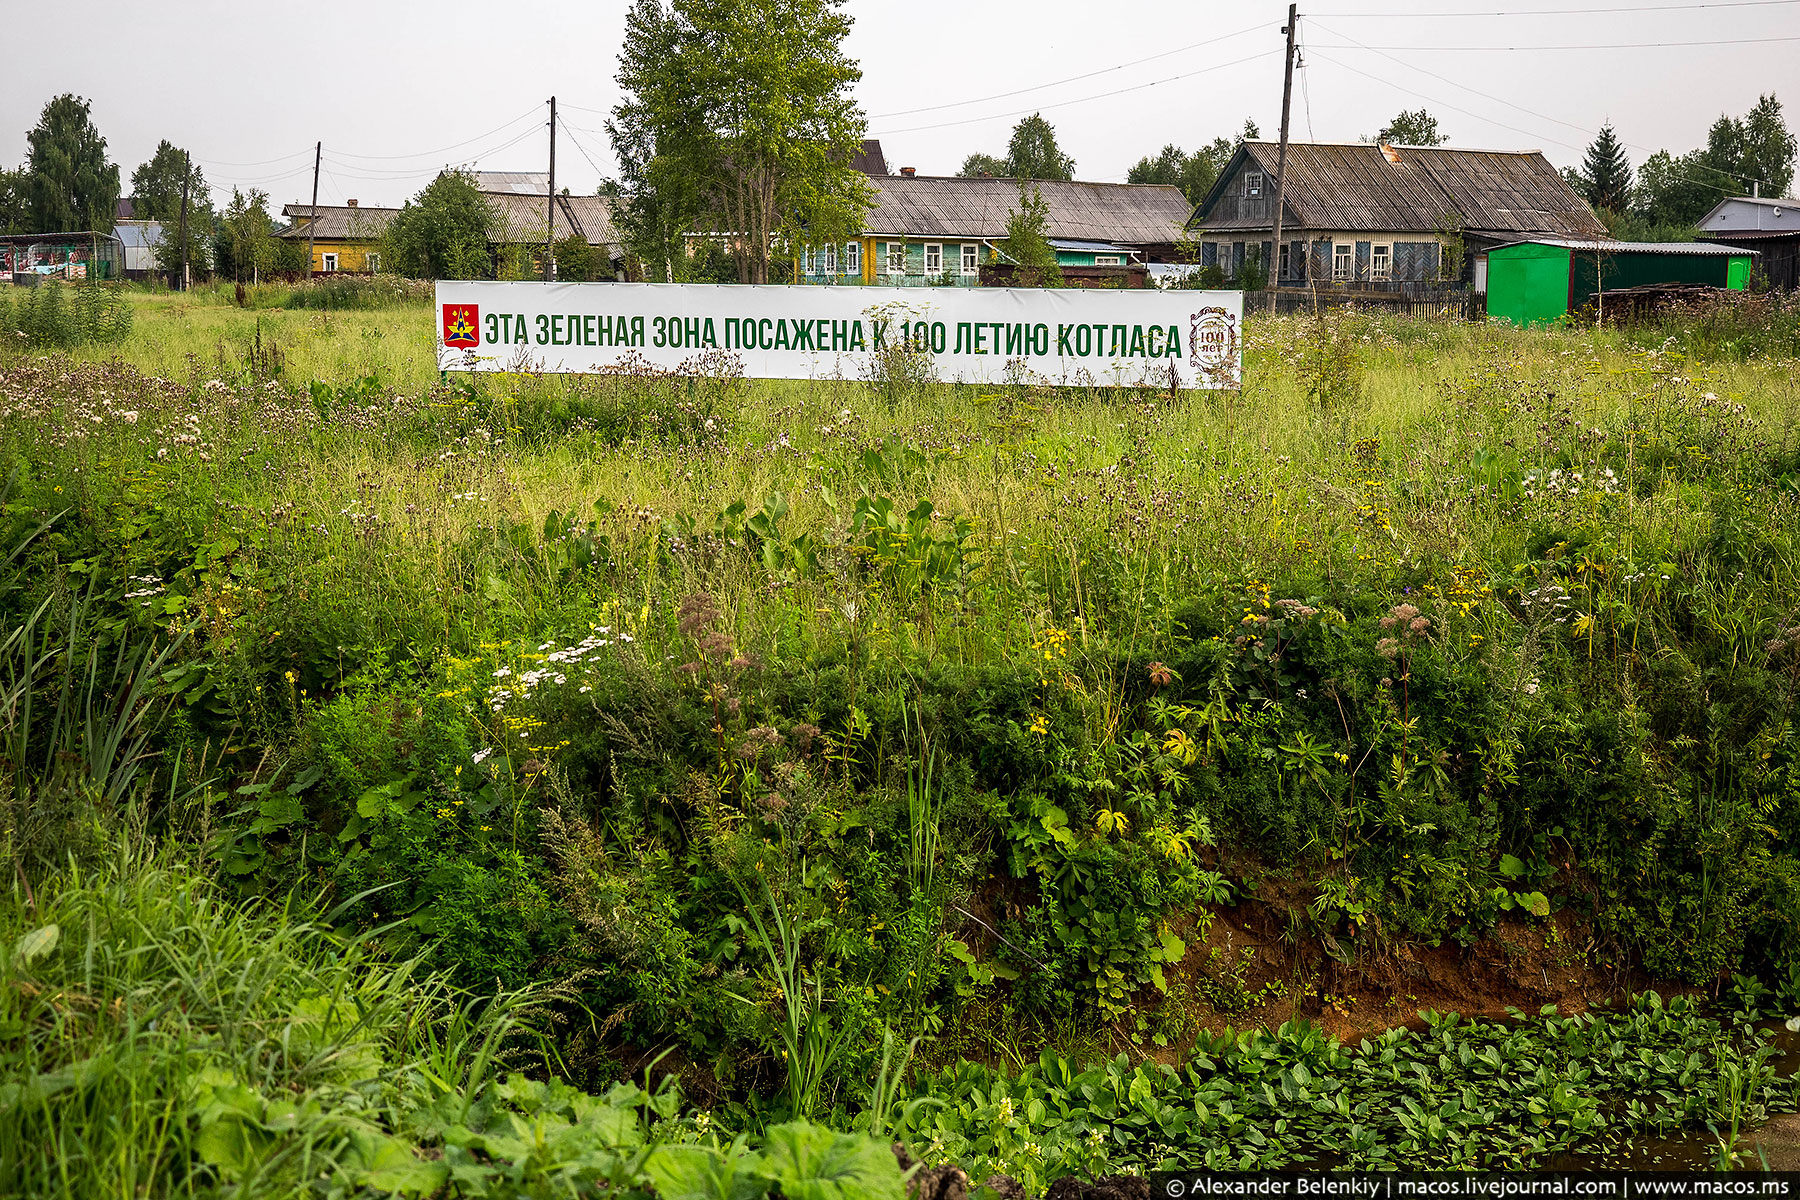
(34, 945)
(814, 1163)
(1511, 867)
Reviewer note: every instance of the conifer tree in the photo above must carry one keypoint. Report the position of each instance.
(1606, 172)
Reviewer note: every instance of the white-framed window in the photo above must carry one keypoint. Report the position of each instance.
(1253, 183)
(328, 262)
(374, 262)
(1381, 262)
(1343, 260)
(828, 259)
(971, 259)
(853, 258)
(896, 258)
(1108, 260)
(1284, 271)
(806, 259)
(934, 258)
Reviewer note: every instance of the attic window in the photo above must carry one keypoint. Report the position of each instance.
(1253, 183)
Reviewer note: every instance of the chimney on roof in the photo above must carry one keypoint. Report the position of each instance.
(350, 204)
(1389, 153)
(909, 172)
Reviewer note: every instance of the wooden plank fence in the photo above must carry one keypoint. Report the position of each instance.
(1444, 304)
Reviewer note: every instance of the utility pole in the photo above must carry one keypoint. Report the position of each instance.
(312, 227)
(1287, 99)
(187, 174)
(550, 205)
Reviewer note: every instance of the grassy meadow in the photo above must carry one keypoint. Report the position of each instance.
(484, 750)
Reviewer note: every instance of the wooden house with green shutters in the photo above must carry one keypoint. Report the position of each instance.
(1381, 217)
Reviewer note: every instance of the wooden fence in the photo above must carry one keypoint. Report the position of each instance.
(1452, 304)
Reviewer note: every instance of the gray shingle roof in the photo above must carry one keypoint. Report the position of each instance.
(520, 218)
(337, 221)
(1421, 188)
(951, 206)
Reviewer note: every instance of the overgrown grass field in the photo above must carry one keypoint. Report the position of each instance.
(767, 726)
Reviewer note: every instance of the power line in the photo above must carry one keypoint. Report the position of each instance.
(1593, 46)
(1085, 99)
(1581, 129)
(576, 142)
(442, 149)
(1565, 12)
(1038, 87)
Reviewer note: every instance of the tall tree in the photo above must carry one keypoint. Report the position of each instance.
(738, 119)
(441, 233)
(156, 185)
(69, 185)
(1033, 153)
(1605, 176)
(979, 164)
(1027, 241)
(245, 245)
(1416, 128)
(1193, 173)
(1678, 189)
(1755, 148)
(12, 201)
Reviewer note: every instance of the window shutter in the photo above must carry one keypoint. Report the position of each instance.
(1209, 254)
(1320, 267)
(1362, 260)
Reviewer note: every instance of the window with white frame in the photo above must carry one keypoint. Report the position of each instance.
(828, 259)
(373, 261)
(1108, 260)
(806, 259)
(1253, 183)
(1343, 260)
(896, 258)
(1285, 269)
(934, 258)
(1381, 262)
(971, 259)
(328, 262)
(853, 258)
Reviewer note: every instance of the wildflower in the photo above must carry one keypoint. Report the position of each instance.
(1038, 725)
(1160, 675)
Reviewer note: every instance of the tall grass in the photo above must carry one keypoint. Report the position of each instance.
(157, 1039)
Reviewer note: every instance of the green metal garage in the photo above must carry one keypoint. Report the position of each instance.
(1535, 282)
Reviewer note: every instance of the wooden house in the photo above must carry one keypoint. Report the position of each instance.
(1381, 217)
(345, 237)
(937, 229)
(1770, 227)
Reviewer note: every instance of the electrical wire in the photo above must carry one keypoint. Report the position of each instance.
(577, 144)
(1593, 46)
(1581, 129)
(442, 149)
(1083, 100)
(1038, 87)
(1567, 12)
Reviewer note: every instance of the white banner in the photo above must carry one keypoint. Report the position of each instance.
(1063, 336)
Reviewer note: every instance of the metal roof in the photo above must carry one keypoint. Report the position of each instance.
(520, 217)
(952, 207)
(338, 222)
(1609, 247)
(1399, 189)
(1078, 244)
(523, 183)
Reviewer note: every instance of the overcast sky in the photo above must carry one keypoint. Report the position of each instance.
(398, 89)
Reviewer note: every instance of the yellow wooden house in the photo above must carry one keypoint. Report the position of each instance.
(345, 237)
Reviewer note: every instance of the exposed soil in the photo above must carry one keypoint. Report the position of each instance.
(1355, 988)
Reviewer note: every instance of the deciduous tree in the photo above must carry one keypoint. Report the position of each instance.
(738, 122)
(443, 232)
(156, 185)
(1027, 242)
(1031, 153)
(978, 164)
(1415, 128)
(69, 185)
